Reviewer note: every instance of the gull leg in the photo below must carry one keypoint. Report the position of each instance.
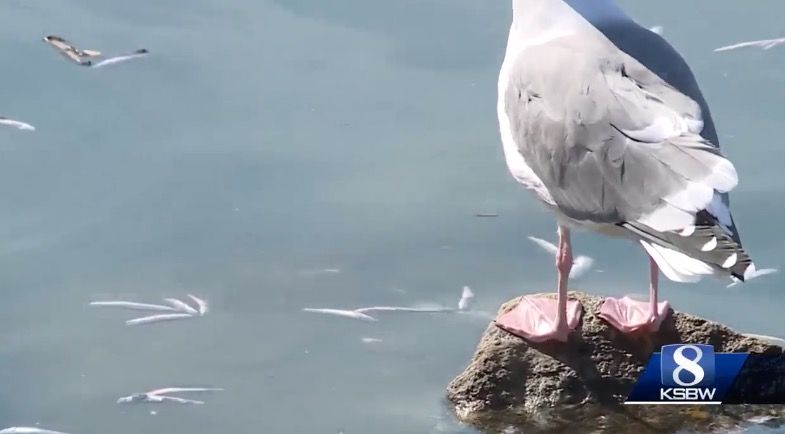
(540, 318)
(630, 316)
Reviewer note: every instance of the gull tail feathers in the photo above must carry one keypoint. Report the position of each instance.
(701, 250)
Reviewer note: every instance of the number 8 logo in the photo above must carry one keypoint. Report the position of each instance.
(689, 365)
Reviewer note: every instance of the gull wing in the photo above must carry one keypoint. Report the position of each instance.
(134, 306)
(203, 307)
(158, 318)
(356, 314)
(181, 306)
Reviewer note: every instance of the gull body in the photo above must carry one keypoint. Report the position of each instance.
(158, 318)
(16, 124)
(603, 121)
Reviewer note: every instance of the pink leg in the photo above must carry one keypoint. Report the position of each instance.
(540, 318)
(629, 315)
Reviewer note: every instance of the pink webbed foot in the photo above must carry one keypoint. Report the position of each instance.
(628, 315)
(535, 319)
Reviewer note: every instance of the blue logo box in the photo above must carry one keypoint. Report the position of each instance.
(687, 365)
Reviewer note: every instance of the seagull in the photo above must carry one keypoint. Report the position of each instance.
(605, 123)
(28, 430)
(765, 44)
(134, 306)
(158, 318)
(16, 124)
(70, 52)
(159, 395)
(120, 59)
(580, 264)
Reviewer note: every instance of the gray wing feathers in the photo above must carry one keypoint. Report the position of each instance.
(626, 148)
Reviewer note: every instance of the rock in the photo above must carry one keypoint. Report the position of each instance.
(580, 387)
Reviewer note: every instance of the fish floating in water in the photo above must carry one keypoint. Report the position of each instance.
(16, 124)
(159, 396)
(70, 52)
(765, 44)
(581, 264)
(175, 309)
(84, 57)
(137, 54)
(364, 313)
(28, 430)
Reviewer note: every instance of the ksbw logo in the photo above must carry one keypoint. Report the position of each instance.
(687, 374)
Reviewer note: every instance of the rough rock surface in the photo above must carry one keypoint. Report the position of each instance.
(579, 387)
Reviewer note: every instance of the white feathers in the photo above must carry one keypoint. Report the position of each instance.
(580, 264)
(752, 273)
(467, 296)
(16, 124)
(676, 265)
(764, 44)
(731, 261)
(686, 232)
(710, 245)
(668, 218)
(176, 309)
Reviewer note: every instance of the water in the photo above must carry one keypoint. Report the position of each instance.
(263, 141)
